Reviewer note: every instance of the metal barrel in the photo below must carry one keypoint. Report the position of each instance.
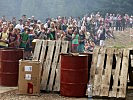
(74, 75)
(9, 66)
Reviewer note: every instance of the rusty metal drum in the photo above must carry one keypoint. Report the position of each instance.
(74, 75)
(9, 66)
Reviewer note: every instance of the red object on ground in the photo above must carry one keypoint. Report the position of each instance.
(30, 88)
(74, 75)
(9, 66)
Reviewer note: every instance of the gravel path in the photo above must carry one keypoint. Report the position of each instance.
(44, 96)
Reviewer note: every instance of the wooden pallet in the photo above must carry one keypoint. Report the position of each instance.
(48, 52)
(109, 72)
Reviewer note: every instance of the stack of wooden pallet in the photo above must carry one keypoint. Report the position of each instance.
(109, 72)
(48, 52)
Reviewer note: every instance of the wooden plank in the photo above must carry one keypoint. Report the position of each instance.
(124, 74)
(130, 69)
(106, 78)
(64, 49)
(113, 93)
(37, 50)
(54, 65)
(47, 65)
(42, 55)
(43, 51)
(94, 63)
(57, 81)
(98, 76)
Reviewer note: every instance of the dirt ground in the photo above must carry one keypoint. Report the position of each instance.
(12, 95)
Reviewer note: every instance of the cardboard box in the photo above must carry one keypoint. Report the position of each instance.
(29, 77)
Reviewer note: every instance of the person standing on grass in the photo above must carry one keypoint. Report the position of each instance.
(75, 41)
(102, 37)
(68, 36)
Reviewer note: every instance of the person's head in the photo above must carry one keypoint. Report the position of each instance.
(59, 27)
(26, 29)
(31, 30)
(101, 27)
(3, 17)
(26, 23)
(52, 25)
(33, 17)
(24, 16)
(20, 21)
(83, 28)
(15, 31)
(9, 23)
(14, 19)
(5, 28)
(113, 14)
(18, 31)
(38, 22)
(11, 27)
(75, 31)
(70, 29)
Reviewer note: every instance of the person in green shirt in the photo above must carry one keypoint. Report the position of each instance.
(24, 37)
(75, 39)
(24, 40)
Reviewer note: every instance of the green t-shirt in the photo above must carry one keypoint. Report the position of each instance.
(24, 38)
(75, 40)
(50, 36)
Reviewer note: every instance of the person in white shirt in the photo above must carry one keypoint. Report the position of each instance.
(20, 25)
(131, 21)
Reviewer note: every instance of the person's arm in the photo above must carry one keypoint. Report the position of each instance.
(56, 34)
(1, 37)
(69, 36)
(63, 34)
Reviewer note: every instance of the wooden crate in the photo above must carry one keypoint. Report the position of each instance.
(109, 72)
(48, 52)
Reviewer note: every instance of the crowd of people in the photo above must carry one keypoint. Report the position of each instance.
(83, 33)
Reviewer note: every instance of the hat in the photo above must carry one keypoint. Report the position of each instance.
(32, 16)
(29, 18)
(38, 21)
(4, 23)
(17, 27)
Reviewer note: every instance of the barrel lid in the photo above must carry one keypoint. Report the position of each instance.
(8, 49)
(73, 54)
